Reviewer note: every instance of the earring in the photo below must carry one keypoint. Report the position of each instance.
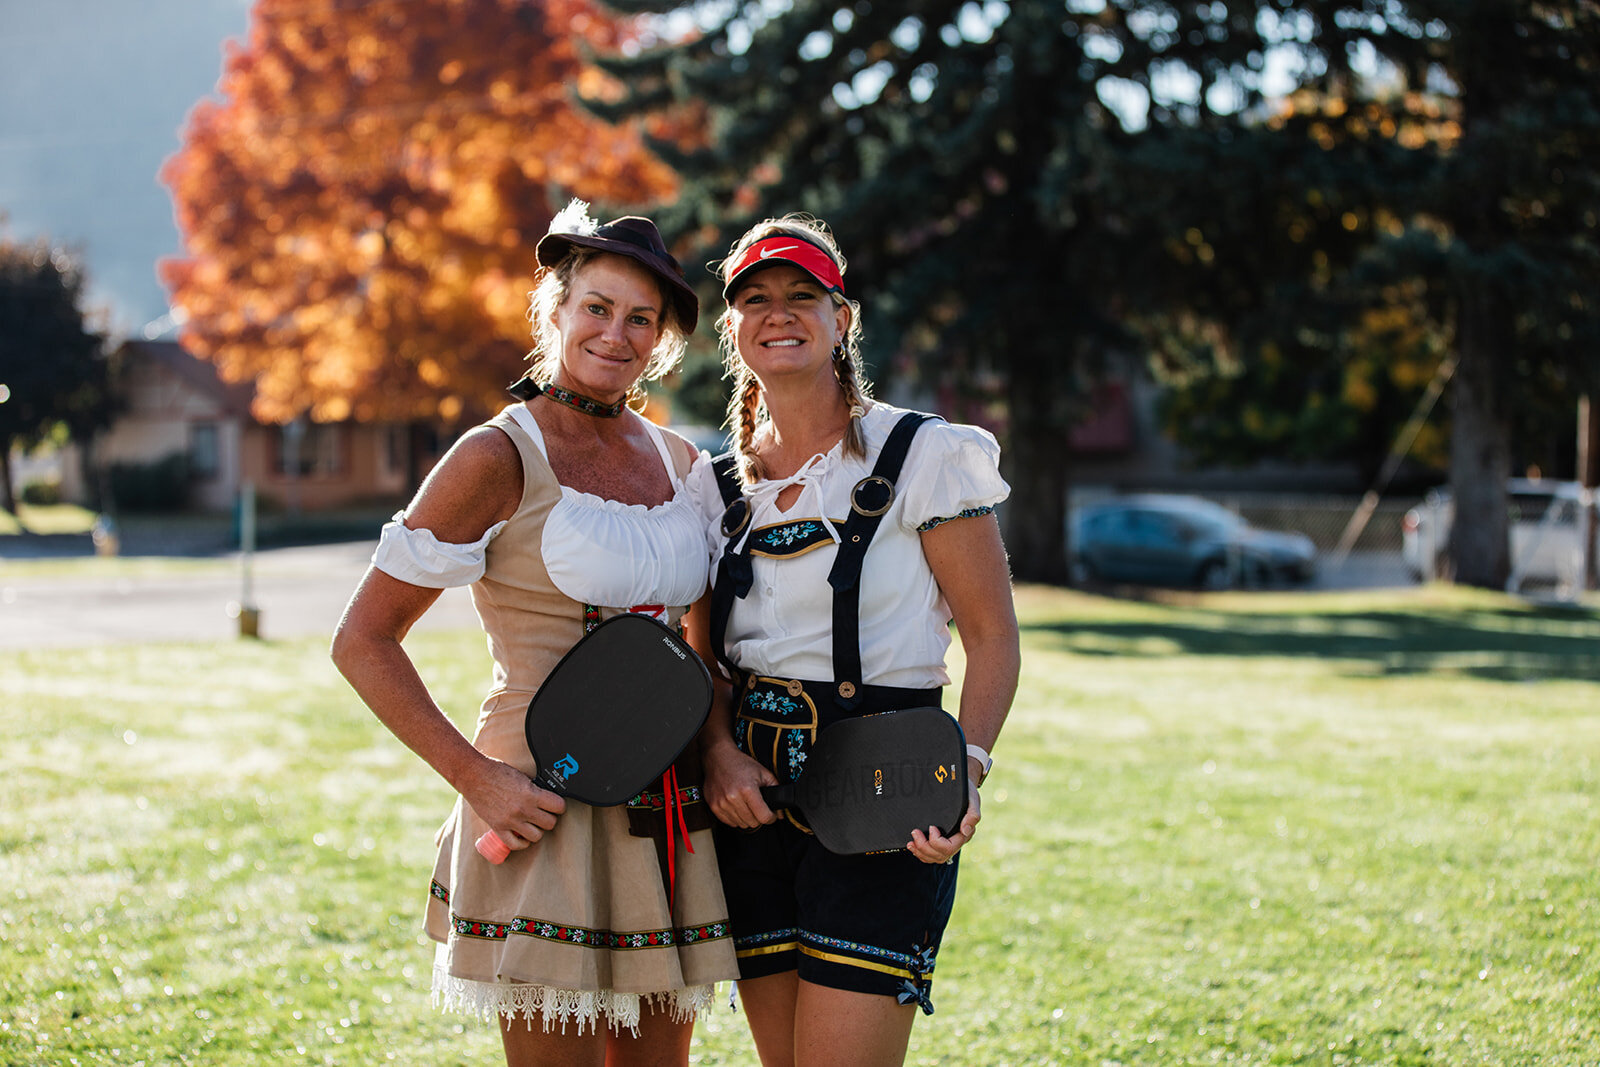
(839, 354)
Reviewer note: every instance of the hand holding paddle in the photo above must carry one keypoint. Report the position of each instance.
(613, 715)
(871, 783)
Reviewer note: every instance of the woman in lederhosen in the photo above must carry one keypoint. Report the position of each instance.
(564, 509)
(837, 953)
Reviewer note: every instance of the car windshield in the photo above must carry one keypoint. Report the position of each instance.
(1213, 518)
(1198, 517)
(1532, 507)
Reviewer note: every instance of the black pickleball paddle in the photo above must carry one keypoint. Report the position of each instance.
(869, 781)
(613, 714)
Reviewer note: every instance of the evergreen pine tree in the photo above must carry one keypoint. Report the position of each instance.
(1023, 188)
(1440, 205)
(968, 156)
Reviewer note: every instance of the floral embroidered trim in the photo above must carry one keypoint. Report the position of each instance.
(965, 513)
(579, 402)
(689, 794)
(916, 982)
(918, 963)
(589, 938)
(776, 705)
(797, 746)
(785, 539)
(767, 938)
(477, 928)
(791, 716)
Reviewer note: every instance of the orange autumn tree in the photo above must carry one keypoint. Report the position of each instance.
(360, 208)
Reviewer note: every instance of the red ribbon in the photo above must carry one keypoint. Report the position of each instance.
(669, 785)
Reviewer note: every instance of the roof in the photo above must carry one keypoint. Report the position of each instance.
(194, 372)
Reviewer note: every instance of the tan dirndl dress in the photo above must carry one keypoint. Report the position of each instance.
(577, 927)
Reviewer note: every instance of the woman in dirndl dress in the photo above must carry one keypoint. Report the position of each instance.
(595, 941)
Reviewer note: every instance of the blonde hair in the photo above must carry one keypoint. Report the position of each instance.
(552, 287)
(747, 409)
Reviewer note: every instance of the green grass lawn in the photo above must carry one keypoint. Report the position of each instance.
(1246, 829)
(47, 519)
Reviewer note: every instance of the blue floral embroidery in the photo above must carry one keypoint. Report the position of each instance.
(919, 963)
(965, 513)
(916, 987)
(788, 534)
(797, 748)
(777, 705)
(766, 938)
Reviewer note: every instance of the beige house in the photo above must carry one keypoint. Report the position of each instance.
(176, 405)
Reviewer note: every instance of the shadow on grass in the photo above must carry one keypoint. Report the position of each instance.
(1495, 644)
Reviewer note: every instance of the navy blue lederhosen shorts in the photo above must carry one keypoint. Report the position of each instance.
(869, 924)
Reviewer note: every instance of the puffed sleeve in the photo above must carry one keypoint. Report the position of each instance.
(952, 470)
(701, 484)
(418, 557)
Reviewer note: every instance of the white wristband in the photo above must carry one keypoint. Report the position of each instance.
(984, 761)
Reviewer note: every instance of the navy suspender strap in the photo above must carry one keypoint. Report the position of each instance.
(869, 500)
(734, 572)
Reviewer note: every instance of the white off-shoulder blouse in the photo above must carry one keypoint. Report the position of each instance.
(597, 551)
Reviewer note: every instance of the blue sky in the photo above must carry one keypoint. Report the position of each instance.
(93, 96)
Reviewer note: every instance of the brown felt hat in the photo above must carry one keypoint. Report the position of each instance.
(634, 237)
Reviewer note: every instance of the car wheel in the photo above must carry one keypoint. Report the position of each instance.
(1213, 575)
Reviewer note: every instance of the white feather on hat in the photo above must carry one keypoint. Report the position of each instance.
(574, 219)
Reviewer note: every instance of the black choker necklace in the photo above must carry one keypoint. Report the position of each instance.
(582, 403)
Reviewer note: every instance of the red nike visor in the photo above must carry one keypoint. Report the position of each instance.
(781, 248)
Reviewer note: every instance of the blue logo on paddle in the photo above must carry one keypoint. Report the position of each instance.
(566, 766)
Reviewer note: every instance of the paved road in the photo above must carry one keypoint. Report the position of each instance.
(299, 592)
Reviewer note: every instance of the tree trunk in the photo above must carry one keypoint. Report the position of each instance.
(1035, 463)
(1589, 477)
(8, 496)
(1480, 444)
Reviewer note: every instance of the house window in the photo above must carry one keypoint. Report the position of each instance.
(394, 449)
(308, 448)
(204, 458)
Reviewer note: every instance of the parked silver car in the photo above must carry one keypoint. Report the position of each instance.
(1175, 540)
(1546, 532)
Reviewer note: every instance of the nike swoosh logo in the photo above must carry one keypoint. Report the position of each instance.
(765, 252)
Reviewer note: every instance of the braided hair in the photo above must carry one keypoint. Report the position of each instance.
(747, 411)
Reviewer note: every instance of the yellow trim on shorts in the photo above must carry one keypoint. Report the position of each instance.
(765, 950)
(850, 961)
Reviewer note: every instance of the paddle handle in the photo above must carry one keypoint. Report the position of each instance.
(778, 796)
(491, 848)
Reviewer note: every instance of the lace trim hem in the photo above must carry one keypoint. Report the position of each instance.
(557, 1007)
